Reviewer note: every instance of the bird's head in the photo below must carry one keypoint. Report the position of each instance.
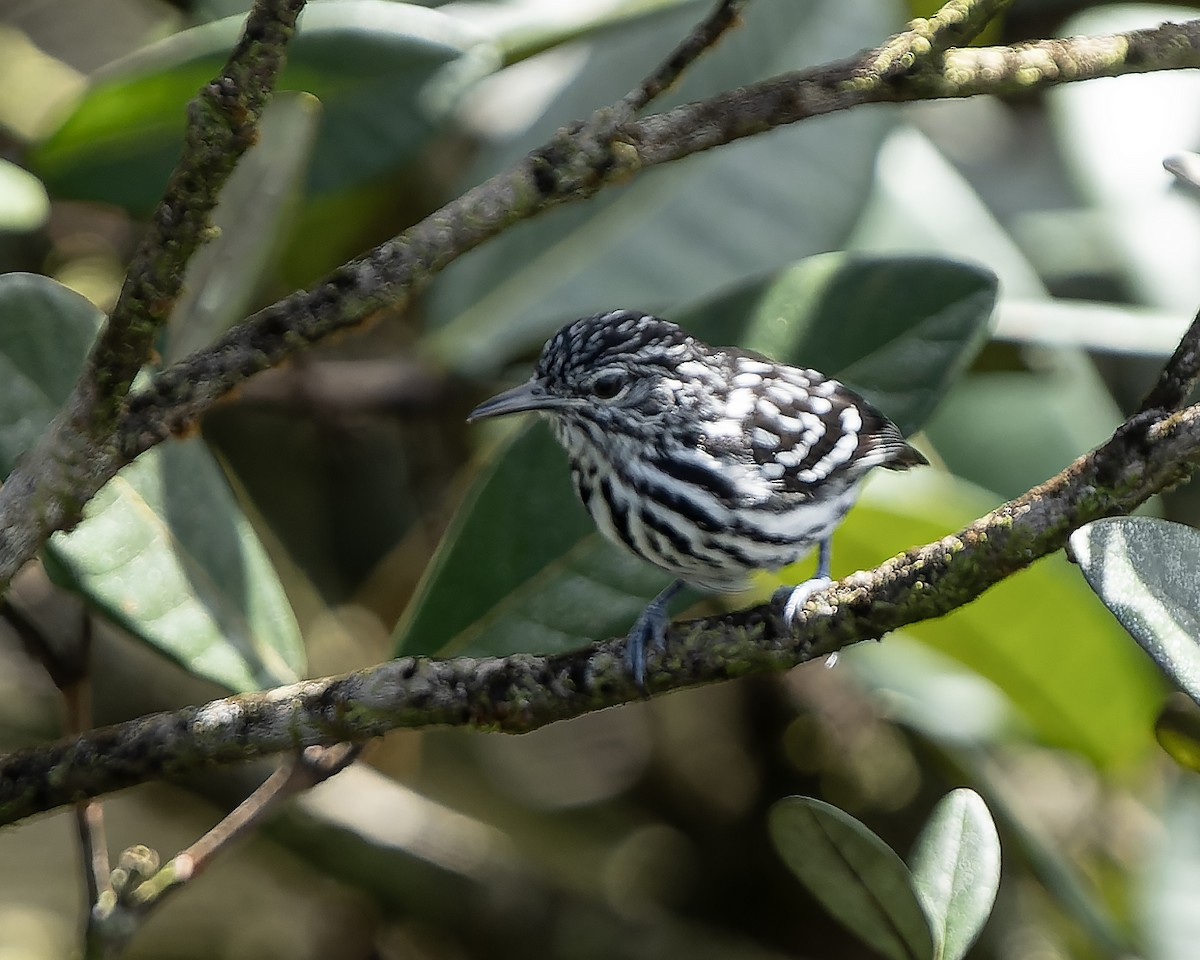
(622, 364)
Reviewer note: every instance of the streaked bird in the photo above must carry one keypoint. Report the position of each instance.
(708, 462)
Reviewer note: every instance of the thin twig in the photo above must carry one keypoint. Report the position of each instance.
(707, 33)
(146, 885)
(89, 814)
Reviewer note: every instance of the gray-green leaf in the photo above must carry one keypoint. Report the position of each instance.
(1145, 571)
(956, 870)
(857, 877)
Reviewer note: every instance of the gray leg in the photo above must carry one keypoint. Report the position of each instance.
(794, 597)
(649, 631)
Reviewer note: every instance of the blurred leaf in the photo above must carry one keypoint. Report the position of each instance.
(24, 205)
(1108, 327)
(853, 874)
(1170, 922)
(225, 273)
(956, 870)
(900, 219)
(386, 74)
(1178, 730)
(163, 548)
(932, 693)
(1145, 572)
(1010, 430)
(517, 572)
(683, 231)
(1039, 636)
(1115, 138)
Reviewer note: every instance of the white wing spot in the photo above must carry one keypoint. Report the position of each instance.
(764, 439)
(740, 404)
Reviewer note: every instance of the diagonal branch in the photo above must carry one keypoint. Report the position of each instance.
(576, 165)
(1151, 452)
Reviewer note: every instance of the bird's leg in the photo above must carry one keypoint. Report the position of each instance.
(794, 597)
(649, 631)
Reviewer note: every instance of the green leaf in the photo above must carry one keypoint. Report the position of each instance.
(522, 568)
(1145, 572)
(1010, 430)
(956, 870)
(854, 875)
(684, 230)
(224, 275)
(386, 74)
(1039, 636)
(163, 548)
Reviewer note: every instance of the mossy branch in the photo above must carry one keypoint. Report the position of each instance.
(1151, 452)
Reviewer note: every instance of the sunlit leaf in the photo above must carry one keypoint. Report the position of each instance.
(386, 74)
(854, 875)
(163, 548)
(956, 870)
(1145, 572)
(522, 568)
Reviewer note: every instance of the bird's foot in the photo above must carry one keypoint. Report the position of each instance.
(649, 632)
(795, 597)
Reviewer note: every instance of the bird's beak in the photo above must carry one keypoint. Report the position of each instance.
(530, 395)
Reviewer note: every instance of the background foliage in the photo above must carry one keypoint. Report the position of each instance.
(339, 510)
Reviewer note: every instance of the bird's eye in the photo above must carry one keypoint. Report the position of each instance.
(608, 385)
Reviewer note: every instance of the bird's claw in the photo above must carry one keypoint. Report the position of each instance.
(649, 632)
(795, 597)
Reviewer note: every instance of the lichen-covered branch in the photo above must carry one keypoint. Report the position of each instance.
(1150, 453)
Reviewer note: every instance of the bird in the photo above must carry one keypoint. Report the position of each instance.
(710, 463)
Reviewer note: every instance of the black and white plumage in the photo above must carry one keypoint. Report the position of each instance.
(708, 462)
